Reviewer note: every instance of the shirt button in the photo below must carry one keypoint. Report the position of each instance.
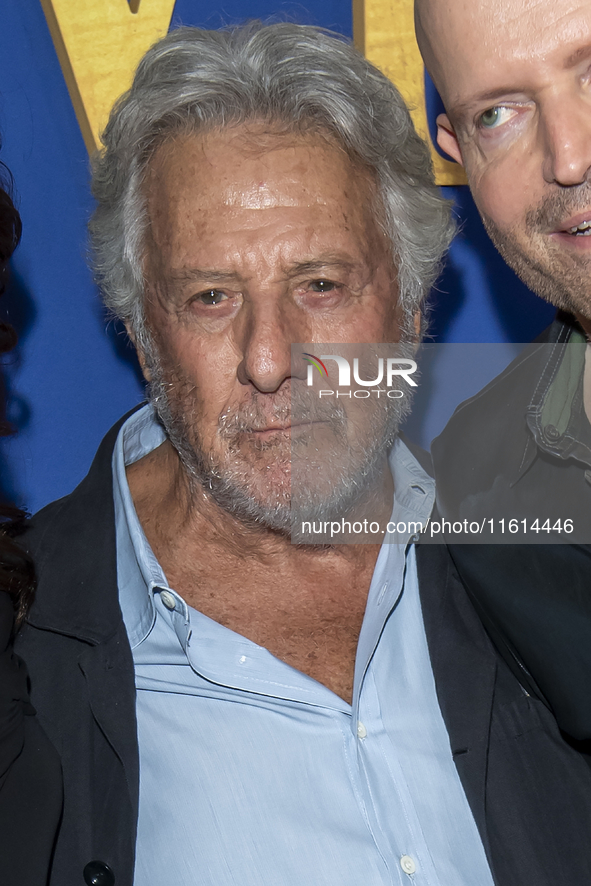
(407, 864)
(168, 599)
(361, 730)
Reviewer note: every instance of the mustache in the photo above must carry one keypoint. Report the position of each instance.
(290, 403)
(555, 207)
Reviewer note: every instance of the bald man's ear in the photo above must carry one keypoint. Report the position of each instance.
(140, 354)
(447, 139)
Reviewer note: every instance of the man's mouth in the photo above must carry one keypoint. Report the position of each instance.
(285, 428)
(582, 230)
(577, 225)
(272, 429)
(574, 232)
(295, 431)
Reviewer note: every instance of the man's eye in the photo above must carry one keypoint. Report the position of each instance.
(211, 297)
(322, 285)
(493, 117)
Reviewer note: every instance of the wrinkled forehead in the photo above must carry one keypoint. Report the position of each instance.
(471, 45)
(235, 181)
(252, 167)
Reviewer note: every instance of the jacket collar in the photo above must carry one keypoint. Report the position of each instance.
(76, 535)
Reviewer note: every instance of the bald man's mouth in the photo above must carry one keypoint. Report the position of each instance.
(564, 216)
(577, 226)
(583, 230)
(574, 232)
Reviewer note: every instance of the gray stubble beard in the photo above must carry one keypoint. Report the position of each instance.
(229, 486)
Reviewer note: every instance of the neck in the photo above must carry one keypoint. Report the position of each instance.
(304, 603)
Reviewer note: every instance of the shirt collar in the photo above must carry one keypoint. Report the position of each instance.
(414, 489)
(138, 570)
(414, 496)
(555, 415)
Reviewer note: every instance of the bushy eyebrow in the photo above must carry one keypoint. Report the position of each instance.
(203, 275)
(323, 264)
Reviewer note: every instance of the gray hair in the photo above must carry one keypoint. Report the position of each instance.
(295, 76)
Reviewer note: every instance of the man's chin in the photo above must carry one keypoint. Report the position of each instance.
(250, 510)
(556, 283)
(559, 276)
(275, 479)
(273, 502)
(269, 506)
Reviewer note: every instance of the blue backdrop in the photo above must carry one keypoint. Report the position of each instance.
(72, 375)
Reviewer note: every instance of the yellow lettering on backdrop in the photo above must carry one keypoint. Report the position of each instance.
(384, 31)
(99, 44)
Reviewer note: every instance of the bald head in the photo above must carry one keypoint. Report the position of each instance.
(451, 33)
(515, 79)
(428, 26)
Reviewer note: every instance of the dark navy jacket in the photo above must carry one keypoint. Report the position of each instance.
(522, 448)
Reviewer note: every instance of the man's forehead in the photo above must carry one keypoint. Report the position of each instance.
(217, 186)
(215, 201)
(436, 18)
(240, 167)
(472, 45)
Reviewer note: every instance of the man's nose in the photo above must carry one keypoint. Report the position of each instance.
(567, 132)
(266, 338)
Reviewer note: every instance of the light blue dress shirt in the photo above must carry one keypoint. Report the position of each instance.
(254, 774)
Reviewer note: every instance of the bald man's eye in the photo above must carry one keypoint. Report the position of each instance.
(494, 117)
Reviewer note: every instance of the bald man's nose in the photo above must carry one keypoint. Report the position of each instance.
(266, 341)
(567, 132)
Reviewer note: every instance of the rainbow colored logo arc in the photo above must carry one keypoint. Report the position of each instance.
(317, 362)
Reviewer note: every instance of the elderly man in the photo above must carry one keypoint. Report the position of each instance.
(328, 714)
(515, 79)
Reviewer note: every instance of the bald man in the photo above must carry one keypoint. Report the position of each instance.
(515, 79)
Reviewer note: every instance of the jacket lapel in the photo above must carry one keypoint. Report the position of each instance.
(464, 668)
(77, 596)
(76, 537)
(112, 700)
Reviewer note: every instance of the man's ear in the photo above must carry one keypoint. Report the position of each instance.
(447, 139)
(417, 322)
(140, 354)
(418, 329)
